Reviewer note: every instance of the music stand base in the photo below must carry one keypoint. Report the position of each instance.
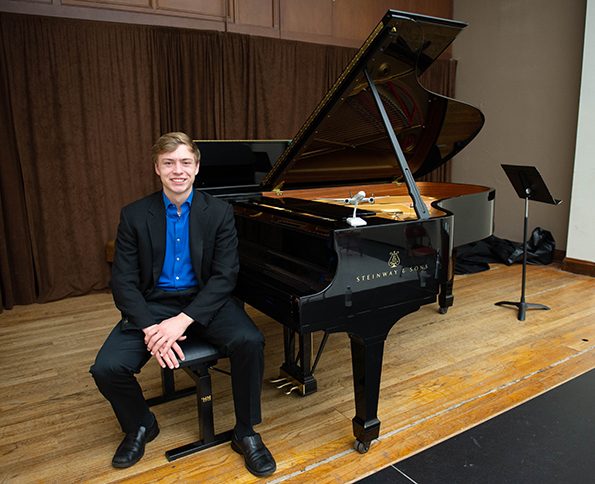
(522, 307)
(529, 185)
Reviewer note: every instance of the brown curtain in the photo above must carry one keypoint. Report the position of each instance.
(189, 73)
(271, 87)
(84, 111)
(82, 102)
(17, 274)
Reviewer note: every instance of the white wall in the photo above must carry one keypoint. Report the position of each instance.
(520, 63)
(581, 229)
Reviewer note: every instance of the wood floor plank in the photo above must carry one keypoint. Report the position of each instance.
(442, 374)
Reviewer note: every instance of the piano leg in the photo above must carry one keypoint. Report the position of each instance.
(366, 359)
(446, 298)
(367, 351)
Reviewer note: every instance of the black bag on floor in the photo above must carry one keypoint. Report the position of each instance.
(540, 249)
(477, 256)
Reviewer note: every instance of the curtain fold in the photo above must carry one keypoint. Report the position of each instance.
(17, 274)
(188, 68)
(271, 86)
(84, 112)
(81, 104)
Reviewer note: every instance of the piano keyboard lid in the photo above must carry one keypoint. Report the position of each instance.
(344, 141)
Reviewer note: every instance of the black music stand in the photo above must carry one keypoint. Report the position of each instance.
(529, 185)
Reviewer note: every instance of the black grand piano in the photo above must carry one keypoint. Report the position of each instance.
(318, 255)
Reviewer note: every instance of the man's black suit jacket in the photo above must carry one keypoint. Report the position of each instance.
(140, 254)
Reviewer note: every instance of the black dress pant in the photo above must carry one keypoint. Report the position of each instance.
(124, 353)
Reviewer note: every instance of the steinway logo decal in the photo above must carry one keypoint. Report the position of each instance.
(394, 262)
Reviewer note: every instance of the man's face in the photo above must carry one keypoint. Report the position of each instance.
(177, 171)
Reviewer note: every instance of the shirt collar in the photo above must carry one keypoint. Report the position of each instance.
(168, 202)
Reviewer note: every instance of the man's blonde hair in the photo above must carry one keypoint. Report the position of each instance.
(169, 142)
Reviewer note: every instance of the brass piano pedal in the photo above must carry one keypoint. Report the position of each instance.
(277, 380)
(287, 384)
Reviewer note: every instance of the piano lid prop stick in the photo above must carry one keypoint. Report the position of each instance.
(420, 207)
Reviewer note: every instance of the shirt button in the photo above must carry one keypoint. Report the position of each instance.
(177, 240)
(177, 278)
(177, 258)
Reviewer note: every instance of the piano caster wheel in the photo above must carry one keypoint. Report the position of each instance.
(442, 310)
(361, 447)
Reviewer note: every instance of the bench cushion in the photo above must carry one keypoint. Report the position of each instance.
(197, 350)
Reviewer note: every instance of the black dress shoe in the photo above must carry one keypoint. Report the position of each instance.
(132, 448)
(259, 461)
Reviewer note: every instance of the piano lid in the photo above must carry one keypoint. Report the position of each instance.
(344, 140)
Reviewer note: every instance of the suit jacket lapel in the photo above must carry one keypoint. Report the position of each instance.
(156, 224)
(199, 221)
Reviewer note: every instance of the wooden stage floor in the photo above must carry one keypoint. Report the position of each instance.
(442, 375)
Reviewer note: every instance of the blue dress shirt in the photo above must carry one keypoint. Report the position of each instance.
(177, 273)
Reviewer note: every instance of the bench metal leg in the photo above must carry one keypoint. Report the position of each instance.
(169, 391)
(206, 427)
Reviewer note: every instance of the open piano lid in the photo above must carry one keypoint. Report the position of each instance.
(345, 142)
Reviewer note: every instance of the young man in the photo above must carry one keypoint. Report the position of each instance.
(174, 271)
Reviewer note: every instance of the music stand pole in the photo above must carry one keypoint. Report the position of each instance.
(523, 304)
(529, 185)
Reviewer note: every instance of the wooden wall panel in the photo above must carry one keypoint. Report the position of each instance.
(346, 22)
(261, 13)
(353, 19)
(307, 16)
(202, 7)
(434, 8)
(109, 3)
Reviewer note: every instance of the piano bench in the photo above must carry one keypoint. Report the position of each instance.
(200, 356)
